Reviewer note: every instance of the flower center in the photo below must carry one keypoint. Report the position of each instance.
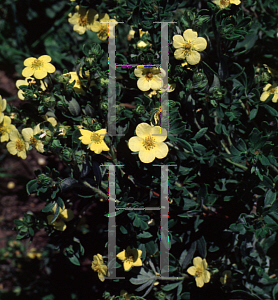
(83, 21)
(199, 272)
(19, 145)
(149, 75)
(149, 143)
(33, 141)
(2, 130)
(96, 138)
(103, 30)
(272, 90)
(37, 64)
(224, 3)
(130, 258)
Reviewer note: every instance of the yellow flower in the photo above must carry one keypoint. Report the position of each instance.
(102, 29)
(38, 67)
(131, 258)
(3, 104)
(225, 3)
(28, 135)
(17, 146)
(125, 294)
(157, 115)
(94, 140)
(142, 44)
(5, 129)
(150, 77)
(65, 215)
(82, 19)
(227, 278)
(189, 46)
(78, 84)
(270, 90)
(149, 142)
(132, 33)
(99, 266)
(28, 81)
(199, 271)
(51, 120)
(33, 253)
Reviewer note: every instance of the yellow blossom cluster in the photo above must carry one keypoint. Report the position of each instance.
(84, 19)
(18, 144)
(99, 267)
(225, 3)
(65, 215)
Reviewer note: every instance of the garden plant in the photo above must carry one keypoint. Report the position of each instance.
(163, 115)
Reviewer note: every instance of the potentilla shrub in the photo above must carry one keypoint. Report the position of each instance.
(164, 115)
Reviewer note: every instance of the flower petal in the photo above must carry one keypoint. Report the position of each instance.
(11, 148)
(236, 2)
(67, 214)
(178, 41)
(135, 144)
(199, 281)
(143, 130)
(200, 44)
(206, 276)
(49, 68)
(189, 35)
(143, 84)
(121, 255)
(39, 74)
(159, 133)
(161, 150)
(146, 156)
(28, 71)
(191, 270)
(198, 262)
(45, 58)
(193, 58)
(155, 83)
(180, 54)
(138, 71)
(127, 265)
(28, 62)
(264, 96)
(27, 133)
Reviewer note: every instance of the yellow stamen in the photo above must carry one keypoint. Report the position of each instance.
(33, 141)
(2, 130)
(83, 21)
(96, 138)
(37, 64)
(19, 145)
(198, 272)
(149, 143)
(149, 75)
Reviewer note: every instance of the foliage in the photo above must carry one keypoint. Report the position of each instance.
(222, 174)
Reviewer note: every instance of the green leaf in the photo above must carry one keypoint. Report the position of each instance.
(151, 247)
(275, 291)
(48, 207)
(31, 186)
(74, 107)
(170, 286)
(73, 259)
(270, 198)
(144, 235)
(123, 230)
(202, 246)
(200, 133)
(184, 144)
(271, 110)
(56, 214)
